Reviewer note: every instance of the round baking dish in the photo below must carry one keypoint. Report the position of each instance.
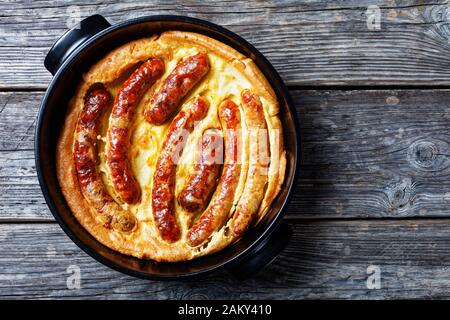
(68, 59)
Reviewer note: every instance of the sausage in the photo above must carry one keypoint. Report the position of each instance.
(214, 217)
(163, 190)
(119, 132)
(96, 102)
(180, 81)
(256, 180)
(201, 182)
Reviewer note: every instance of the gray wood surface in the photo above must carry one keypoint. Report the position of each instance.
(370, 154)
(312, 42)
(323, 260)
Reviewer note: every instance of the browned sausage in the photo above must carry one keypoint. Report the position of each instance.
(180, 81)
(119, 132)
(221, 203)
(256, 180)
(202, 181)
(163, 197)
(96, 102)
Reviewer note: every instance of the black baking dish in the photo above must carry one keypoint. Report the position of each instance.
(68, 59)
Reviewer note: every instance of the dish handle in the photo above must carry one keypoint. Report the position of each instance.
(72, 39)
(263, 254)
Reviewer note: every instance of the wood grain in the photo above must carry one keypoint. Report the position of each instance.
(310, 43)
(371, 153)
(327, 259)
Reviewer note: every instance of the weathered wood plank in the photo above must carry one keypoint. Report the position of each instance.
(373, 153)
(327, 259)
(311, 42)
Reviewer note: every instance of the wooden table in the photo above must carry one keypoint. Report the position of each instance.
(374, 190)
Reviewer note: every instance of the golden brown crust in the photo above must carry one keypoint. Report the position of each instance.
(144, 242)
